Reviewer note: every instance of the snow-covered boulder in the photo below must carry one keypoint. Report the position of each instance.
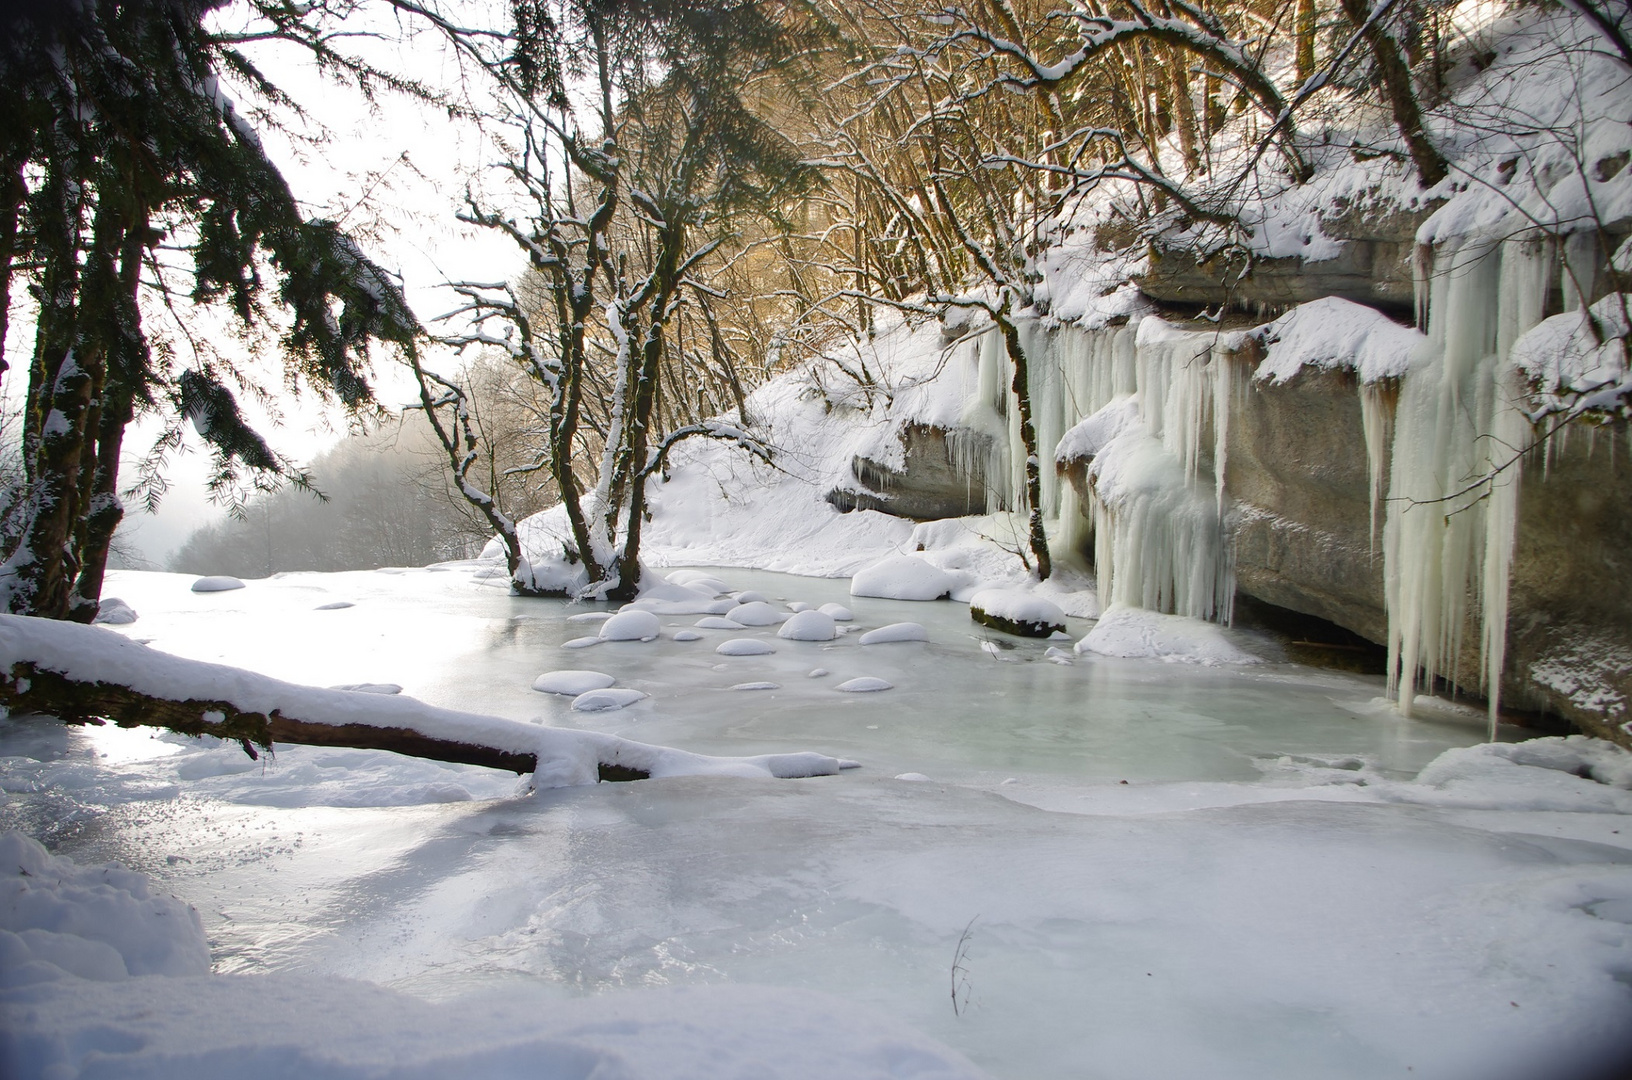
(113, 611)
(217, 583)
(636, 625)
(744, 646)
(900, 631)
(836, 612)
(1016, 611)
(865, 684)
(572, 681)
(755, 613)
(904, 577)
(809, 625)
(607, 700)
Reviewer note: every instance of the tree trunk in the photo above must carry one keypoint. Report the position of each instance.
(1028, 438)
(1402, 98)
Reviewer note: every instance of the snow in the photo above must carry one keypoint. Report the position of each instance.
(904, 577)
(717, 622)
(1274, 893)
(809, 625)
(1337, 333)
(743, 647)
(894, 632)
(113, 611)
(836, 612)
(606, 700)
(865, 684)
(1017, 605)
(217, 583)
(636, 625)
(572, 682)
(95, 922)
(689, 635)
(1136, 632)
(755, 613)
(756, 686)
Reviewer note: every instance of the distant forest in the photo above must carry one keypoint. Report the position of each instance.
(380, 499)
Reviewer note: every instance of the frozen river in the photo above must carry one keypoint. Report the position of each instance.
(1111, 868)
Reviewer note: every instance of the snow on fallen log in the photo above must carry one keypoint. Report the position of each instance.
(85, 674)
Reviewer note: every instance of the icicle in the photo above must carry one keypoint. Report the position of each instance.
(1454, 476)
(1377, 423)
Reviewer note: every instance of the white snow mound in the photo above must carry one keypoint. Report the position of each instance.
(865, 684)
(809, 625)
(1135, 632)
(634, 625)
(899, 631)
(903, 577)
(607, 700)
(743, 646)
(572, 681)
(755, 613)
(218, 583)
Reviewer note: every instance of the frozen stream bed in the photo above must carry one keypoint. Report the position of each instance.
(1113, 868)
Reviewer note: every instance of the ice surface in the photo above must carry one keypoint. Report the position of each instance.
(898, 631)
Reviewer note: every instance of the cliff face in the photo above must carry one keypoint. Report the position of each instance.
(1309, 483)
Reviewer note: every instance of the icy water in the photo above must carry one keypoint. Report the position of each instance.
(1108, 868)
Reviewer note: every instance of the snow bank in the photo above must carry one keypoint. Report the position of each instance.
(1135, 632)
(94, 922)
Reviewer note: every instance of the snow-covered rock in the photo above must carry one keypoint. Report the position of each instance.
(1135, 632)
(637, 625)
(744, 646)
(865, 684)
(809, 625)
(572, 681)
(1016, 611)
(904, 577)
(900, 631)
(113, 611)
(755, 613)
(836, 612)
(607, 700)
(217, 583)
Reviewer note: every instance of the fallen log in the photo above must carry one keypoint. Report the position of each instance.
(29, 688)
(87, 674)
